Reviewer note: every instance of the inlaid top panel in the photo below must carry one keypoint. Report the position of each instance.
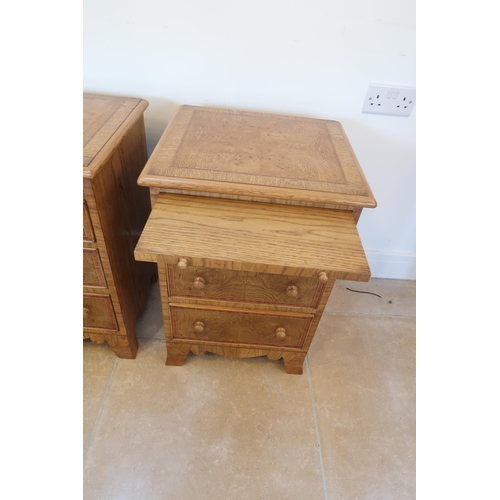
(105, 118)
(257, 154)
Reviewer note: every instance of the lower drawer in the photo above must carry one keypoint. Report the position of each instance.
(93, 274)
(98, 312)
(239, 327)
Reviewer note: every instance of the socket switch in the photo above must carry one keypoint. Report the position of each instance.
(397, 100)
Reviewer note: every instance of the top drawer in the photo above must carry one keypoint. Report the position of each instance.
(88, 233)
(229, 285)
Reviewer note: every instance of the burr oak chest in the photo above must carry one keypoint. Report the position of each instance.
(254, 219)
(115, 209)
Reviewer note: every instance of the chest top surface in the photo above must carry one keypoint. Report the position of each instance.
(257, 155)
(105, 120)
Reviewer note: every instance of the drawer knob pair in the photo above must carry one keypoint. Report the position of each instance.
(199, 327)
(291, 290)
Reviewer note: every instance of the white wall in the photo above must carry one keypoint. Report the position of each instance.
(305, 57)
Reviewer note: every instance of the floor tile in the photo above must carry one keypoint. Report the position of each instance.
(150, 322)
(397, 298)
(215, 428)
(98, 360)
(362, 372)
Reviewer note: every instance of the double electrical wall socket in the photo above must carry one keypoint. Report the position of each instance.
(397, 100)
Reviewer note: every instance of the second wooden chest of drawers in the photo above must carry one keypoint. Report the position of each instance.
(115, 209)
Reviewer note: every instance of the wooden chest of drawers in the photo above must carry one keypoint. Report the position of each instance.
(254, 219)
(115, 209)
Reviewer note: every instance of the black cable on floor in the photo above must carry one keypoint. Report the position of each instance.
(359, 291)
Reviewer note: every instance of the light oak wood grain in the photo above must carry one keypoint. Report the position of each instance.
(240, 153)
(106, 119)
(235, 304)
(254, 219)
(98, 313)
(88, 232)
(319, 313)
(274, 239)
(164, 296)
(211, 237)
(227, 285)
(123, 346)
(356, 212)
(244, 308)
(177, 350)
(177, 353)
(93, 274)
(115, 211)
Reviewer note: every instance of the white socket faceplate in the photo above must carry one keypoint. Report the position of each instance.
(382, 99)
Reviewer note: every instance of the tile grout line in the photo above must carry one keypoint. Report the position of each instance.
(100, 407)
(316, 428)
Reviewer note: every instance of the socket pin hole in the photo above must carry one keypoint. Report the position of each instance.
(379, 104)
(404, 99)
(369, 98)
(398, 105)
(406, 106)
(371, 104)
(378, 96)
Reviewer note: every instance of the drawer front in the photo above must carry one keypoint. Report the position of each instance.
(219, 284)
(93, 274)
(222, 284)
(98, 312)
(239, 327)
(88, 232)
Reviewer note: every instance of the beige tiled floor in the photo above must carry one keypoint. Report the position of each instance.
(219, 428)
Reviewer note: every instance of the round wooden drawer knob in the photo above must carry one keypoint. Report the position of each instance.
(199, 283)
(280, 333)
(86, 312)
(291, 291)
(323, 277)
(199, 326)
(182, 264)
